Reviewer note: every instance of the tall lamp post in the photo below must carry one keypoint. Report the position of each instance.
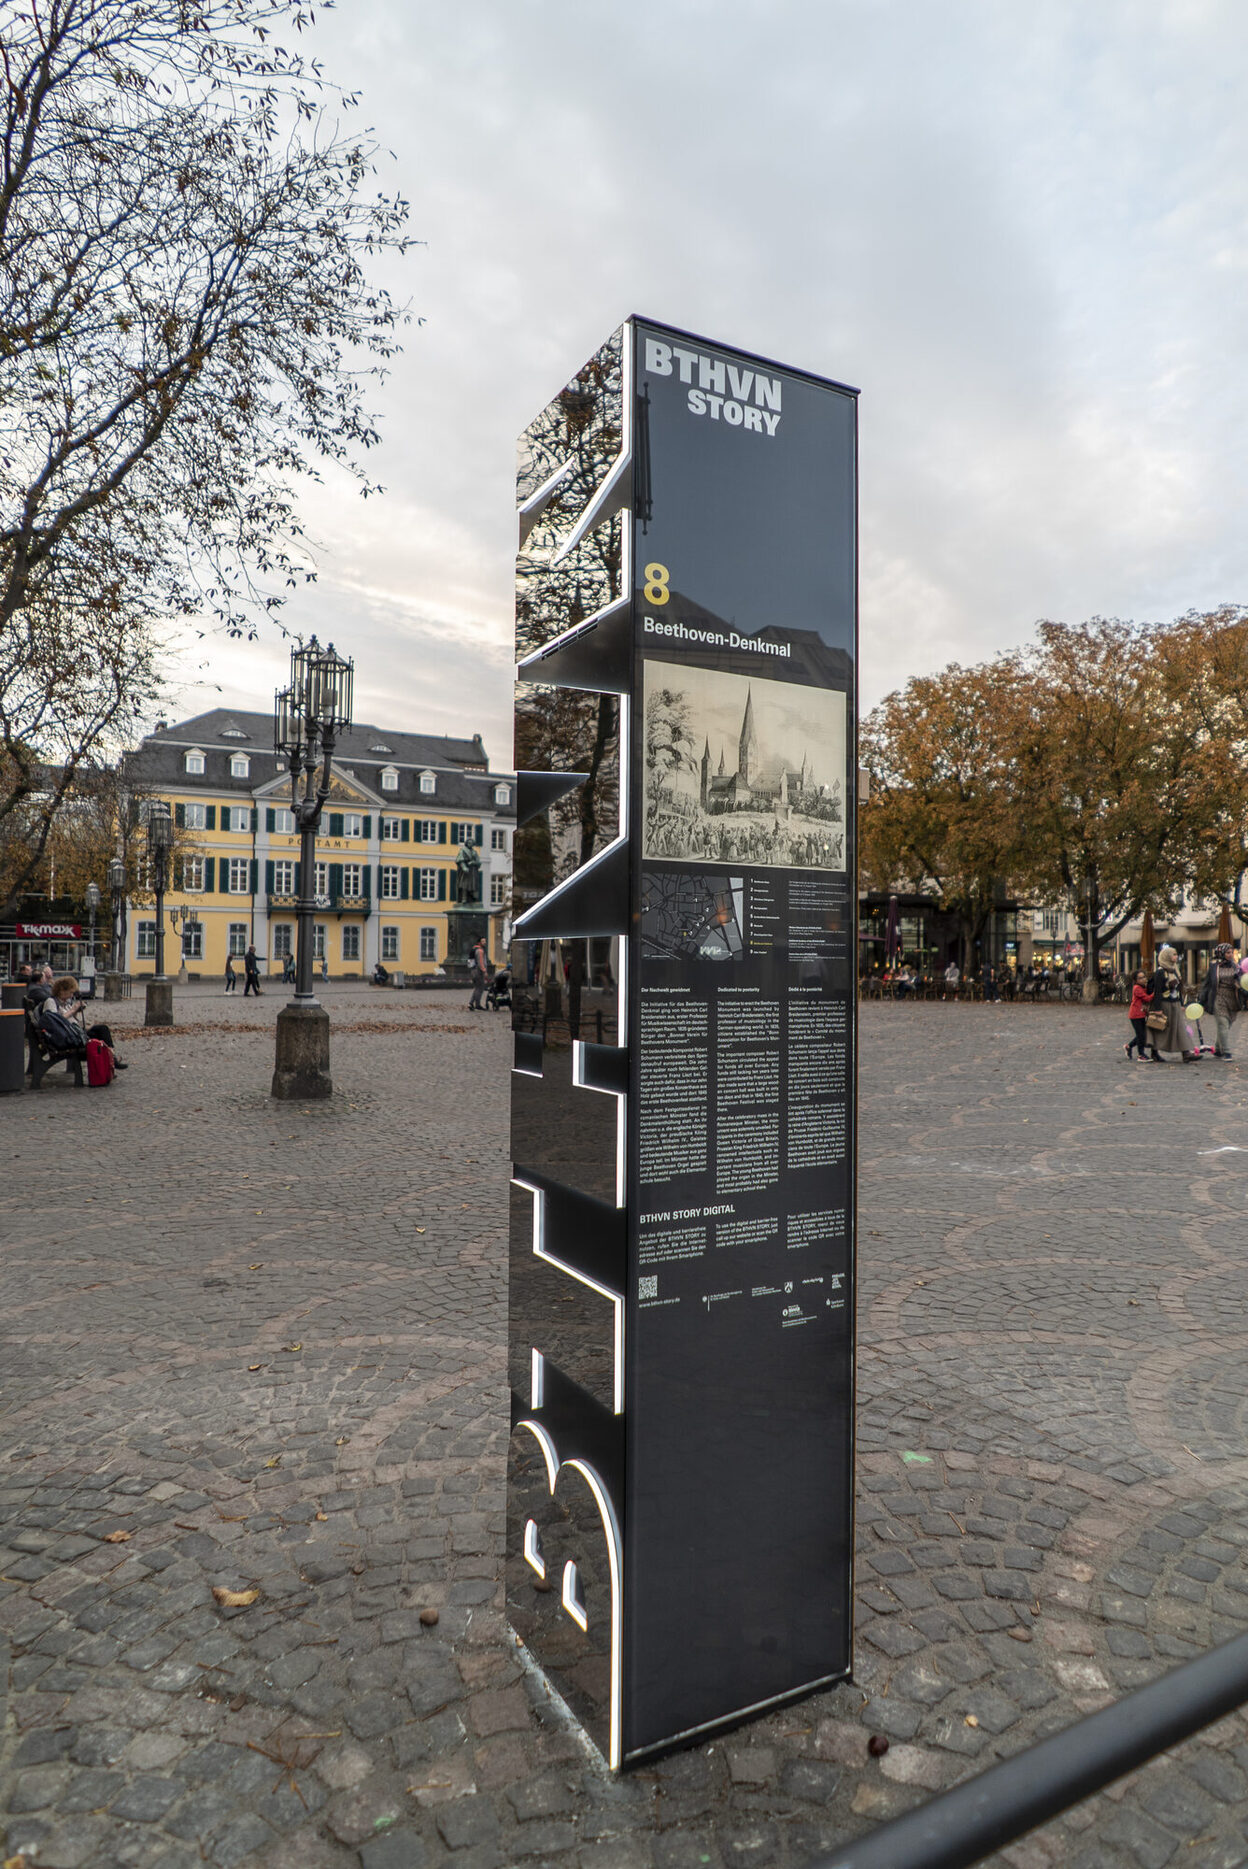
(117, 893)
(181, 919)
(308, 717)
(93, 904)
(159, 844)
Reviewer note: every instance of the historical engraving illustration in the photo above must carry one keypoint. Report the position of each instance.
(739, 770)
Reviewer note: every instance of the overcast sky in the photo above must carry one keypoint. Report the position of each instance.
(1021, 232)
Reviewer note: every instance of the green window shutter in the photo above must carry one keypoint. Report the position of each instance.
(255, 875)
(270, 819)
(335, 824)
(209, 876)
(479, 834)
(403, 883)
(211, 818)
(255, 817)
(405, 829)
(268, 878)
(442, 830)
(368, 827)
(441, 885)
(298, 879)
(366, 870)
(335, 879)
(179, 816)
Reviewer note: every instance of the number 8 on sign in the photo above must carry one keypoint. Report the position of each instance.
(656, 591)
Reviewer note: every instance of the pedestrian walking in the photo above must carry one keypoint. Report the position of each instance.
(1220, 995)
(288, 970)
(251, 969)
(231, 978)
(480, 976)
(1166, 987)
(991, 991)
(1137, 1013)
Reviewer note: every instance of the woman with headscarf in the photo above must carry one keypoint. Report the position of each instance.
(1166, 987)
(1220, 995)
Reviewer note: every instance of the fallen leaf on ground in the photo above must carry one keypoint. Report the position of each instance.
(117, 1538)
(971, 1720)
(274, 1461)
(234, 1599)
(321, 1517)
(342, 1440)
(257, 1267)
(253, 1367)
(292, 1347)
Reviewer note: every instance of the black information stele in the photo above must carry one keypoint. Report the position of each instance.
(683, 1094)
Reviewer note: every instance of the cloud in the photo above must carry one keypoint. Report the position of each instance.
(1020, 231)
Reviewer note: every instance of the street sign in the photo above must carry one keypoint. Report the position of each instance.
(680, 1485)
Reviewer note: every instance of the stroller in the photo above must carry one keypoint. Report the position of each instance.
(498, 992)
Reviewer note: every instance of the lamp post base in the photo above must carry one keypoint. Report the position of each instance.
(114, 984)
(159, 1006)
(301, 1069)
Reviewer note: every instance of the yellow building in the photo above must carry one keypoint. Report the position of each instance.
(404, 810)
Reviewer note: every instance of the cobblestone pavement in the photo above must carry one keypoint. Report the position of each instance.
(257, 1348)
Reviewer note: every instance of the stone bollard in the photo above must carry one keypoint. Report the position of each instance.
(302, 1064)
(114, 986)
(159, 1002)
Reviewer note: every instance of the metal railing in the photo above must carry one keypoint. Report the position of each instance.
(986, 1813)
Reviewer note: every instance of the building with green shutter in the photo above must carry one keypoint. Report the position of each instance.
(403, 809)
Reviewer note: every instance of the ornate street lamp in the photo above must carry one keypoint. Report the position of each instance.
(182, 917)
(93, 903)
(159, 845)
(308, 717)
(117, 891)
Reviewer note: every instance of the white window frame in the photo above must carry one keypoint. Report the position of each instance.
(428, 944)
(427, 832)
(239, 817)
(428, 885)
(428, 783)
(237, 866)
(283, 939)
(145, 940)
(502, 794)
(498, 838)
(390, 942)
(353, 824)
(320, 879)
(498, 891)
(195, 817)
(352, 879)
(240, 766)
(391, 830)
(194, 763)
(350, 942)
(237, 939)
(390, 882)
(283, 821)
(193, 940)
(192, 875)
(284, 876)
(318, 941)
(390, 780)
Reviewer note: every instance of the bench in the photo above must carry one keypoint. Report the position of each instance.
(44, 1054)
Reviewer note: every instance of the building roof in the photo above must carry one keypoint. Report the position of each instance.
(460, 767)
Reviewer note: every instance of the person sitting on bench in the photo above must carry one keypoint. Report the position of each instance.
(59, 1035)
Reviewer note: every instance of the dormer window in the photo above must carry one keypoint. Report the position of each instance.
(194, 761)
(240, 765)
(233, 733)
(502, 794)
(390, 779)
(428, 782)
(380, 747)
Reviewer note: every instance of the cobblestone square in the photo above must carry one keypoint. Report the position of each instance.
(257, 1352)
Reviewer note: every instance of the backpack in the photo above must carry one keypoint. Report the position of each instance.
(99, 1064)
